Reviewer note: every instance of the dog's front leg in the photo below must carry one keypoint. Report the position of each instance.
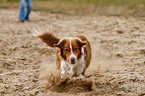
(81, 76)
(70, 72)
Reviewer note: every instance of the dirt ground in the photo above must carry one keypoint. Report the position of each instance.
(118, 48)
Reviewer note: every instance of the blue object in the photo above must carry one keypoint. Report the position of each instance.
(24, 15)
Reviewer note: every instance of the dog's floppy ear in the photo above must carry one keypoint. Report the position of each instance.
(83, 40)
(47, 38)
(81, 43)
(60, 44)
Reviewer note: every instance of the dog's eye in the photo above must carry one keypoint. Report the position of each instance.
(75, 48)
(66, 49)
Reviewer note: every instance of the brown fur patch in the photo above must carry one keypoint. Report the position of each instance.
(48, 39)
(64, 48)
(77, 47)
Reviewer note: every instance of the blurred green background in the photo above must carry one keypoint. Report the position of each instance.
(84, 7)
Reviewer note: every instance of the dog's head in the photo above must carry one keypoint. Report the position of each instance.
(70, 49)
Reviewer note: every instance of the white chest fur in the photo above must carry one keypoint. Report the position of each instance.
(73, 69)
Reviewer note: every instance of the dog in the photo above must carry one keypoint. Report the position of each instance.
(73, 55)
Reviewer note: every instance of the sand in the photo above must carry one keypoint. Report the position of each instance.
(27, 66)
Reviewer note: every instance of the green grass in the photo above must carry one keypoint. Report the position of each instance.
(88, 7)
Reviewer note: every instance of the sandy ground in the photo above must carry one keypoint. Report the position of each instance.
(118, 47)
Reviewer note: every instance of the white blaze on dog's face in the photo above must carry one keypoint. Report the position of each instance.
(70, 49)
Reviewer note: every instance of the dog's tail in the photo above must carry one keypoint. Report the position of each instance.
(46, 37)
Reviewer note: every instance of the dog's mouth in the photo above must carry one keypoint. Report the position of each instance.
(73, 62)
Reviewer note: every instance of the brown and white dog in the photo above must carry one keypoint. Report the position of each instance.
(73, 55)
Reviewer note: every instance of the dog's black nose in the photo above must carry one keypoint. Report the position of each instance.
(72, 60)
